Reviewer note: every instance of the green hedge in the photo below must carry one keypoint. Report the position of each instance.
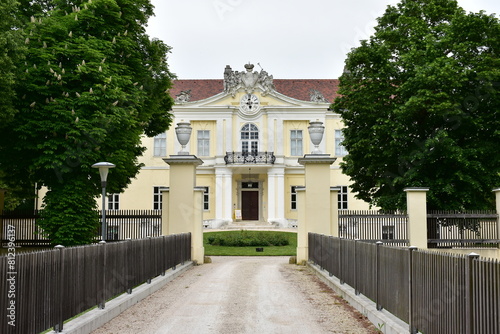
(246, 238)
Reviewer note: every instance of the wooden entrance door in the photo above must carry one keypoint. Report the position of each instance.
(250, 205)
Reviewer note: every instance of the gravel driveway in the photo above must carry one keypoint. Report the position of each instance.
(242, 295)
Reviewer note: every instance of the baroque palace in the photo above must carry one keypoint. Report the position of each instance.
(249, 129)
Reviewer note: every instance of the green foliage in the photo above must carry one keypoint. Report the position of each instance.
(70, 216)
(289, 250)
(420, 102)
(246, 238)
(91, 85)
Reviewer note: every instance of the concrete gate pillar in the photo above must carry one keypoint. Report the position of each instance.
(416, 203)
(497, 199)
(317, 204)
(183, 203)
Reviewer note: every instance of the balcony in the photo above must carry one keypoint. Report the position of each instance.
(249, 158)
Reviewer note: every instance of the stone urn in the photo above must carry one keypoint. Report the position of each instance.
(183, 132)
(316, 130)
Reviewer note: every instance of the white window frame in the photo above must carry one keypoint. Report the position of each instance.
(293, 198)
(296, 143)
(340, 150)
(342, 198)
(206, 199)
(160, 145)
(249, 135)
(203, 138)
(113, 202)
(157, 198)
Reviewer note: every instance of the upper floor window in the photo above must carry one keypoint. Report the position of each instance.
(249, 138)
(160, 145)
(114, 202)
(339, 147)
(203, 143)
(296, 143)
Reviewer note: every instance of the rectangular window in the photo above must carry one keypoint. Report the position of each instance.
(160, 145)
(340, 150)
(296, 143)
(387, 232)
(206, 199)
(342, 198)
(157, 198)
(293, 198)
(203, 143)
(114, 202)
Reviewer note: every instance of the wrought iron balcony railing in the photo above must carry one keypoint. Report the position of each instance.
(249, 158)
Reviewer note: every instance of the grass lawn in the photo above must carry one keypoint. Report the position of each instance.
(289, 250)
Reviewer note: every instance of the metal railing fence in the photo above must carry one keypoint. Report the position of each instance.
(120, 225)
(46, 288)
(447, 229)
(389, 227)
(432, 292)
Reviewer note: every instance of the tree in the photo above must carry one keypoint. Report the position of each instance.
(92, 84)
(420, 101)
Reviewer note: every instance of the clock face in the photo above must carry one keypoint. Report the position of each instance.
(249, 104)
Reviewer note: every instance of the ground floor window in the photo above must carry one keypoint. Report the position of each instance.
(342, 198)
(114, 202)
(206, 199)
(387, 232)
(157, 198)
(293, 198)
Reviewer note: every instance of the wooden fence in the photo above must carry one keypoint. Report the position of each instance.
(432, 292)
(41, 290)
(120, 225)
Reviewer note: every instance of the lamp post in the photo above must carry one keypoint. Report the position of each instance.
(103, 171)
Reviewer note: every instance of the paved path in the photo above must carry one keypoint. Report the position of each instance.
(242, 295)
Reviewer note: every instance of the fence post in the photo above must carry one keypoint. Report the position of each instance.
(150, 255)
(377, 276)
(497, 200)
(127, 261)
(102, 295)
(469, 294)
(416, 199)
(413, 329)
(356, 290)
(341, 273)
(58, 327)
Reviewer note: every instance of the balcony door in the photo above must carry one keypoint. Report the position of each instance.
(249, 139)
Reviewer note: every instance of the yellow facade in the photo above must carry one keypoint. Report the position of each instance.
(252, 118)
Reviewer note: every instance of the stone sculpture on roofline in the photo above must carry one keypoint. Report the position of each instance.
(249, 81)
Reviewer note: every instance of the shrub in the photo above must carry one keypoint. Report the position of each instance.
(245, 238)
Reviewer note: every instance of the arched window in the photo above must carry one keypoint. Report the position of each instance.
(250, 139)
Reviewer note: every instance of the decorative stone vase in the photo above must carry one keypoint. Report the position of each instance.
(183, 132)
(316, 130)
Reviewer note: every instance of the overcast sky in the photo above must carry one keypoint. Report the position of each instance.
(292, 39)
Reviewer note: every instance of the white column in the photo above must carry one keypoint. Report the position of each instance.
(223, 195)
(276, 195)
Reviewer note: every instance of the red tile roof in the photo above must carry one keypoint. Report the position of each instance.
(296, 88)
